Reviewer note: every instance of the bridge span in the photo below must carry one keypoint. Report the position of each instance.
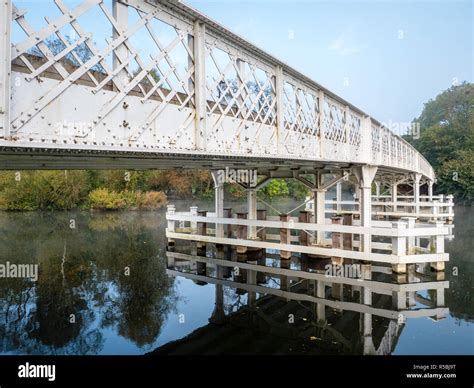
(147, 84)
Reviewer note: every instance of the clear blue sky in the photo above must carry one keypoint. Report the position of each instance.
(394, 55)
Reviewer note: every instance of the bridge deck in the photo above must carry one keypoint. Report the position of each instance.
(170, 88)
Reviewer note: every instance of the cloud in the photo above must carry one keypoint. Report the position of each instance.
(340, 46)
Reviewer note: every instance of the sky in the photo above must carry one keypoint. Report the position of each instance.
(386, 57)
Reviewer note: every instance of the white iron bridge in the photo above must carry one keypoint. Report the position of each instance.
(156, 84)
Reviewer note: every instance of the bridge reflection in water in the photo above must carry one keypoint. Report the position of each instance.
(293, 306)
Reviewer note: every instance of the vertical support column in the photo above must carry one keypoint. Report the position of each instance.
(303, 235)
(365, 175)
(262, 233)
(199, 49)
(228, 228)
(320, 293)
(399, 300)
(252, 212)
(450, 209)
(337, 241)
(5, 66)
(201, 229)
(393, 192)
(441, 207)
(339, 196)
(219, 202)
(280, 109)
(410, 222)
(241, 232)
(347, 238)
(319, 195)
(416, 191)
(377, 189)
(193, 210)
(240, 81)
(430, 191)
(319, 213)
(218, 314)
(321, 124)
(434, 210)
(438, 242)
(170, 210)
(120, 14)
(399, 246)
(285, 237)
(366, 319)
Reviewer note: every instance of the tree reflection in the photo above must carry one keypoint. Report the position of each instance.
(82, 286)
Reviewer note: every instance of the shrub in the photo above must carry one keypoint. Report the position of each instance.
(105, 199)
(151, 200)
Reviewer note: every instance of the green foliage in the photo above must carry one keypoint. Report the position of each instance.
(276, 188)
(42, 190)
(105, 199)
(457, 176)
(447, 140)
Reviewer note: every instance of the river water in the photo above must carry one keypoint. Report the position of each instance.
(107, 285)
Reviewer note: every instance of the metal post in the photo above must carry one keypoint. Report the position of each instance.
(438, 242)
(228, 228)
(252, 212)
(170, 210)
(262, 233)
(5, 67)
(219, 202)
(285, 237)
(410, 221)
(321, 124)
(399, 246)
(338, 196)
(393, 191)
(280, 113)
(120, 14)
(303, 235)
(200, 85)
(430, 191)
(450, 210)
(337, 241)
(201, 228)
(193, 210)
(416, 192)
(241, 232)
(365, 176)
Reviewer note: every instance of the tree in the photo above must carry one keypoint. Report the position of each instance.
(447, 139)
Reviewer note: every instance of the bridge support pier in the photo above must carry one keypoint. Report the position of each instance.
(393, 192)
(416, 192)
(219, 202)
(252, 212)
(365, 176)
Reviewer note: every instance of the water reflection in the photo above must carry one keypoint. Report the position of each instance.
(107, 285)
(268, 305)
(102, 274)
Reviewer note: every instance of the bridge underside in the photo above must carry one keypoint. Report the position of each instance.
(28, 158)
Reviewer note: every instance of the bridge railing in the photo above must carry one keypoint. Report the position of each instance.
(410, 243)
(159, 76)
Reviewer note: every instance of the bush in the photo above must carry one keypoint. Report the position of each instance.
(105, 199)
(42, 190)
(151, 200)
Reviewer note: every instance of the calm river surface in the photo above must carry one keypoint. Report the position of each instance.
(107, 286)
